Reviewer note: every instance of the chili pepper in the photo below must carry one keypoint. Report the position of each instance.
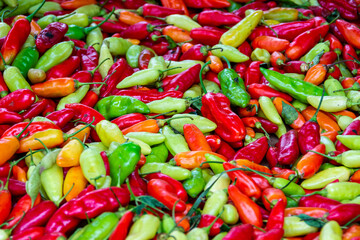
(141, 230)
(288, 148)
(215, 203)
(128, 120)
(349, 53)
(175, 172)
(172, 54)
(195, 184)
(122, 227)
(346, 9)
(214, 142)
(257, 146)
(195, 138)
(216, 18)
(61, 117)
(64, 69)
(207, 220)
(324, 121)
(148, 96)
(343, 213)
(249, 212)
(35, 109)
(294, 226)
(276, 218)
(318, 201)
(269, 43)
(352, 129)
(33, 233)
(8, 117)
(241, 231)
(74, 183)
(179, 4)
(306, 40)
(309, 164)
(50, 36)
(184, 80)
(206, 35)
(193, 159)
(252, 73)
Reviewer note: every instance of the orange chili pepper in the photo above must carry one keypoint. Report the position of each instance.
(271, 44)
(310, 211)
(345, 113)
(82, 135)
(8, 147)
(316, 74)
(74, 4)
(186, 46)
(74, 179)
(150, 125)
(270, 196)
(133, 41)
(347, 83)
(130, 18)
(142, 161)
(298, 122)
(69, 155)
(355, 177)
(351, 232)
(310, 163)
(175, 4)
(216, 64)
(35, 28)
(283, 172)
(324, 121)
(193, 159)
(250, 110)
(19, 173)
(250, 132)
(57, 87)
(195, 138)
(277, 59)
(330, 134)
(177, 34)
(249, 211)
(246, 163)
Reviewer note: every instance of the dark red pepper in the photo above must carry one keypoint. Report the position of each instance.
(106, 162)
(18, 100)
(197, 52)
(30, 130)
(288, 148)
(243, 232)
(147, 96)
(9, 117)
(253, 74)
(173, 54)
(254, 151)
(226, 150)
(50, 36)
(254, 6)
(184, 80)
(110, 26)
(216, 18)
(31, 233)
(257, 90)
(35, 109)
(158, 11)
(16, 187)
(299, 67)
(64, 69)
(349, 53)
(128, 120)
(138, 30)
(352, 129)
(61, 117)
(344, 213)
(144, 58)
(346, 9)
(206, 35)
(318, 201)
(137, 184)
(276, 218)
(206, 220)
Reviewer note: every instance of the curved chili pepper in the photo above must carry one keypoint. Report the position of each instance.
(121, 230)
(50, 36)
(343, 213)
(253, 74)
(64, 69)
(18, 100)
(352, 129)
(346, 9)
(288, 148)
(259, 147)
(61, 117)
(349, 54)
(158, 11)
(172, 54)
(30, 130)
(257, 90)
(35, 109)
(31, 233)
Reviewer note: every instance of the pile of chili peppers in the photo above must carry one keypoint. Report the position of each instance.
(180, 119)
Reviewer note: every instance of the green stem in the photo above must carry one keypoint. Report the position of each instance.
(31, 16)
(67, 136)
(314, 118)
(89, 29)
(201, 78)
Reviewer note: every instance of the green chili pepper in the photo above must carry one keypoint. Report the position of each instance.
(52, 180)
(291, 202)
(331, 230)
(340, 191)
(176, 143)
(77, 234)
(316, 50)
(325, 166)
(299, 105)
(109, 132)
(230, 215)
(21, 8)
(180, 66)
(148, 138)
(26, 59)
(167, 223)
(101, 227)
(14, 79)
(351, 141)
(195, 184)
(35, 158)
(260, 54)
(344, 70)
(74, 97)
(94, 38)
(231, 53)
(159, 154)
(178, 235)
(216, 167)
(354, 97)
(145, 148)
(329, 145)
(4, 29)
(294, 226)
(48, 6)
(193, 92)
(175, 172)
(55, 55)
(211, 86)
(355, 200)
(132, 55)
(182, 21)
(158, 63)
(331, 103)
(324, 177)
(30, 42)
(117, 46)
(205, 125)
(115, 106)
(92, 166)
(78, 19)
(123, 162)
(103, 55)
(91, 10)
(215, 203)
(142, 77)
(144, 228)
(207, 174)
(168, 105)
(344, 121)
(33, 183)
(295, 75)
(220, 236)
(298, 89)
(332, 85)
(233, 87)
(268, 108)
(220, 184)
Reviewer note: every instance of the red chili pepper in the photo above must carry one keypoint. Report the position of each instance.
(273, 234)
(254, 151)
(197, 52)
(349, 54)
(318, 202)
(257, 90)
(158, 11)
(288, 31)
(344, 213)
(213, 141)
(31, 129)
(328, 58)
(243, 181)
(309, 135)
(240, 68)
(178, 187)
(166, 194)
(147, 96)
(18, 100)
(206, 220)
(276, 218)
(64, 69)
(137, 184)
(9, 117)
(243, 232)
(213, 77)
(121, 230)
(36, 216)
(4, 169)
(128, 120)
(270, 196)
(299, 67)
(110, 26)
(346, 9)
(61, 117)
(35, 109)
(16, 187)
(85, 113)
(5, 199)
(52, 236)
(253, 74)
(245, 49)
(139, 30)
(173, 54)
(144, 58)
(133, 4)
(310, 162)
(207, 3)
(51, 35)
(90, 99)
(352, 129)
(206, 35)
(216, 18)
(254, 5)
(305, 41)
(226, 150)
(288, 148)
(184, 80)
(268, 126)
(335, 44)
(106, 162)
(31, 233)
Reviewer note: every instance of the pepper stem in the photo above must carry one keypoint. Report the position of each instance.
(79, 84)
(227, 61)
(89, 29)
(161, 71)
(42, 143)
(82, 143)
(97, 90)
(337, 158)
(97, 67)
(67, 136)
(21, 133)
(3, 14)
(161, 114)
(2, 58)
(207, 229)
(259, 126)
(201, 78)
(57, 203)
(31, 16)
(65, 16)
(314, 118)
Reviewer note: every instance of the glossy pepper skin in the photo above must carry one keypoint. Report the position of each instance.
(352, 129)
(259, 146)
(50, 36)
(288, 148)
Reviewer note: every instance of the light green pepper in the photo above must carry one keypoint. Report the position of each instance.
(182, 21)
(230, 214)
(103, 55)
(175, 172)
(215, 203)
(117, 46)
(48, 6)
(93, 167)
(167, 105)
(323, 178)
(331, 231)
(205, 125)
(231, 53)
(144, 228)
(95, 38)
(91, 10)
(148, 138)
(132, 55)
(74, 97)
(260, 54)
(294, 226)
(176, 143)
(52, 180)
(317, 49)
(78, 19)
